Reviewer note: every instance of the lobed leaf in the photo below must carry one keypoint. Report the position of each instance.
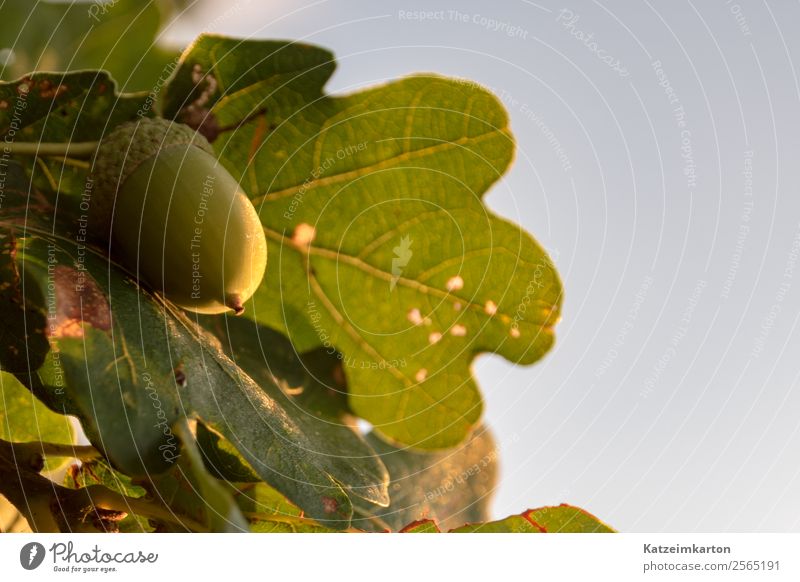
(380, 245)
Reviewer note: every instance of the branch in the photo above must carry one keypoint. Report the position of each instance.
(50, 507)
(31, 454)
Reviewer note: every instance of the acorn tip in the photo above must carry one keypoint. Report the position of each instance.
(235, 303)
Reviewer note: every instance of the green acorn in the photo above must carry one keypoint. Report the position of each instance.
(174, 216)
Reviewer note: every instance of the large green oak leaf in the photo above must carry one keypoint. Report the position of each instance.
(380, 245)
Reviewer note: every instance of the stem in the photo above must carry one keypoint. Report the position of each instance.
(81, 149)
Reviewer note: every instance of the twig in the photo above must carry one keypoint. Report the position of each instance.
(31, 454)
(68, 150)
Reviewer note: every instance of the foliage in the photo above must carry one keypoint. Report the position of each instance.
(387, 276)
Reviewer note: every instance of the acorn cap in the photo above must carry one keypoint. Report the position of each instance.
(122, 151)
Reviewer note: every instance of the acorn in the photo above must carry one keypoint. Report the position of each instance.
(175, 217)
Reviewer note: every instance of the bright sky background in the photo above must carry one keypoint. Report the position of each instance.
(659, 164)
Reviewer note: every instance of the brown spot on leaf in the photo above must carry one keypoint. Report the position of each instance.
(48, 91)
(79, 301)
(329, 504)
(180, 376)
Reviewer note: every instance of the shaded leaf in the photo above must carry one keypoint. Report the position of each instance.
(58, 108)
(222, 459)
(62, 107)
(223, 513)
(310, 387)
(269, 512)
(449, 487)
(22, 335)
(118, 36)
(190, 491)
